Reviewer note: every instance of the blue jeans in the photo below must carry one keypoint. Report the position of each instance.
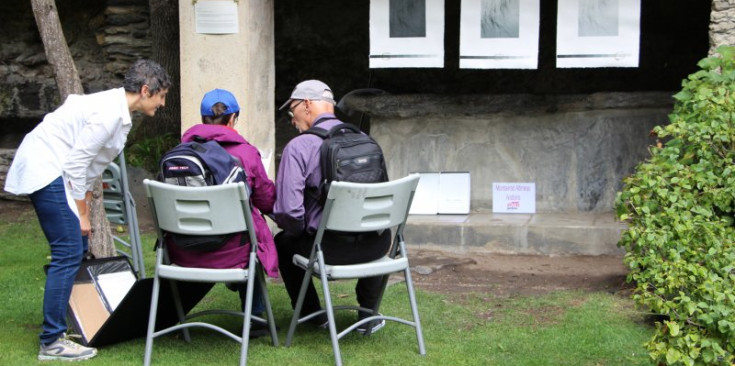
(64, 235)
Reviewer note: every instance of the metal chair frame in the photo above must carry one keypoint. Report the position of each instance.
(215, 210)
(360, 207)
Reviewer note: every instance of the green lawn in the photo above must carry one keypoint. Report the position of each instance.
(563, 328)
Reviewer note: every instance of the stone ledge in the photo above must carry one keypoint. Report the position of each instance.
(537, 234)
(417, 105)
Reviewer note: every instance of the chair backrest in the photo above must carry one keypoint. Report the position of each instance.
(210, 210)
(361, 207)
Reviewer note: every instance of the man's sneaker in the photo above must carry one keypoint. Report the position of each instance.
(374, 325)
(65, 350)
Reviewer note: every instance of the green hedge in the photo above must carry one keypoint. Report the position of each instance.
(147, 153)
(679, 207)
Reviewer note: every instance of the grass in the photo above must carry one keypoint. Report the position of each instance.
(562, 328)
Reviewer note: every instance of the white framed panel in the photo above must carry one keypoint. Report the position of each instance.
(426, 198)
(598, 33)
(454, 196)
(421, 46)
(499, 34)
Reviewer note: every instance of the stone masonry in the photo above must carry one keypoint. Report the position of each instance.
(722, 24)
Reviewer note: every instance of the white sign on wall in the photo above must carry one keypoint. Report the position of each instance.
(216, 17)
(514, 197)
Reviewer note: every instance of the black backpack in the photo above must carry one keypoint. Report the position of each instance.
(347, 155)
(197, 164)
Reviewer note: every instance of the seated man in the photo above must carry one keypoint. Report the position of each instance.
(298, 214)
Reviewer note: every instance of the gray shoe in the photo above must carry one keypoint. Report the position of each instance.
(65, 350)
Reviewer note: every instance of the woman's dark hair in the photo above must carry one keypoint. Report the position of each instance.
(146, 72)
(219, 118)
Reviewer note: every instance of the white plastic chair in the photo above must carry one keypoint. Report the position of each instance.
(360, 207)
(209, 210)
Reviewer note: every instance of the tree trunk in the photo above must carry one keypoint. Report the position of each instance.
(164, 29)
(67, 79)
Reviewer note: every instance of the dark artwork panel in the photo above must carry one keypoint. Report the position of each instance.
(407, 18)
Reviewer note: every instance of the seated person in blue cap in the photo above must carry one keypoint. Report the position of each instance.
(220, 112)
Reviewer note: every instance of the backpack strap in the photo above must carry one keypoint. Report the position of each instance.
(199, 139)
(314, 130)
(316, 192)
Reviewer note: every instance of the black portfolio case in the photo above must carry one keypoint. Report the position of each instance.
(109, 304)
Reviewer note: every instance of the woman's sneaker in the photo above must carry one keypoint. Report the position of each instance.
(65, 350)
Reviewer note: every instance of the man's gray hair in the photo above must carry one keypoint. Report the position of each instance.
(146, 72)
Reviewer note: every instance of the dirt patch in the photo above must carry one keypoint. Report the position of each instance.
(499, 275)
(508, 275)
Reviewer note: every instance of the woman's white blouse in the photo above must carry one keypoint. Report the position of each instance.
(77, 141)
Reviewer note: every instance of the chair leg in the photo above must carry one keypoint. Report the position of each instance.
(297, 308)
(179, 309)
(330, 310)
(268, 309)
(376, 308)
(151, 321)
(415, 311)
(248, 309)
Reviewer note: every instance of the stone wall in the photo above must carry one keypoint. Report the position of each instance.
(722, 24)
(103, 37)
(575, 148)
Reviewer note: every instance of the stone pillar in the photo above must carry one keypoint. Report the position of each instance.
(722, 24)
(242, 63)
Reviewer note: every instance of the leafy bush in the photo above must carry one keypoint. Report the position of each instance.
(147, 152)
(679, 206)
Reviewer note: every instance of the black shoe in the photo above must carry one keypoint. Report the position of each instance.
(258, 330)
(320, 321)
(373, 326)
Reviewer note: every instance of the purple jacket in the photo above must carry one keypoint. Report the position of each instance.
(232, 254)
(294, 211)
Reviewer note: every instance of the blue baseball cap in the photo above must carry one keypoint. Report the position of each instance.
(218, 96)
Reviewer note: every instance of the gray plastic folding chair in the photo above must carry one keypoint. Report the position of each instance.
(120, 209)
(209, 210)
(361, 207)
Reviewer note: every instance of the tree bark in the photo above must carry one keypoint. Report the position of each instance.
(164, 29)
(67, 79)
(57, 52)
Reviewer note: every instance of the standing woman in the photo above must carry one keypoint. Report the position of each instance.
(57, 164)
